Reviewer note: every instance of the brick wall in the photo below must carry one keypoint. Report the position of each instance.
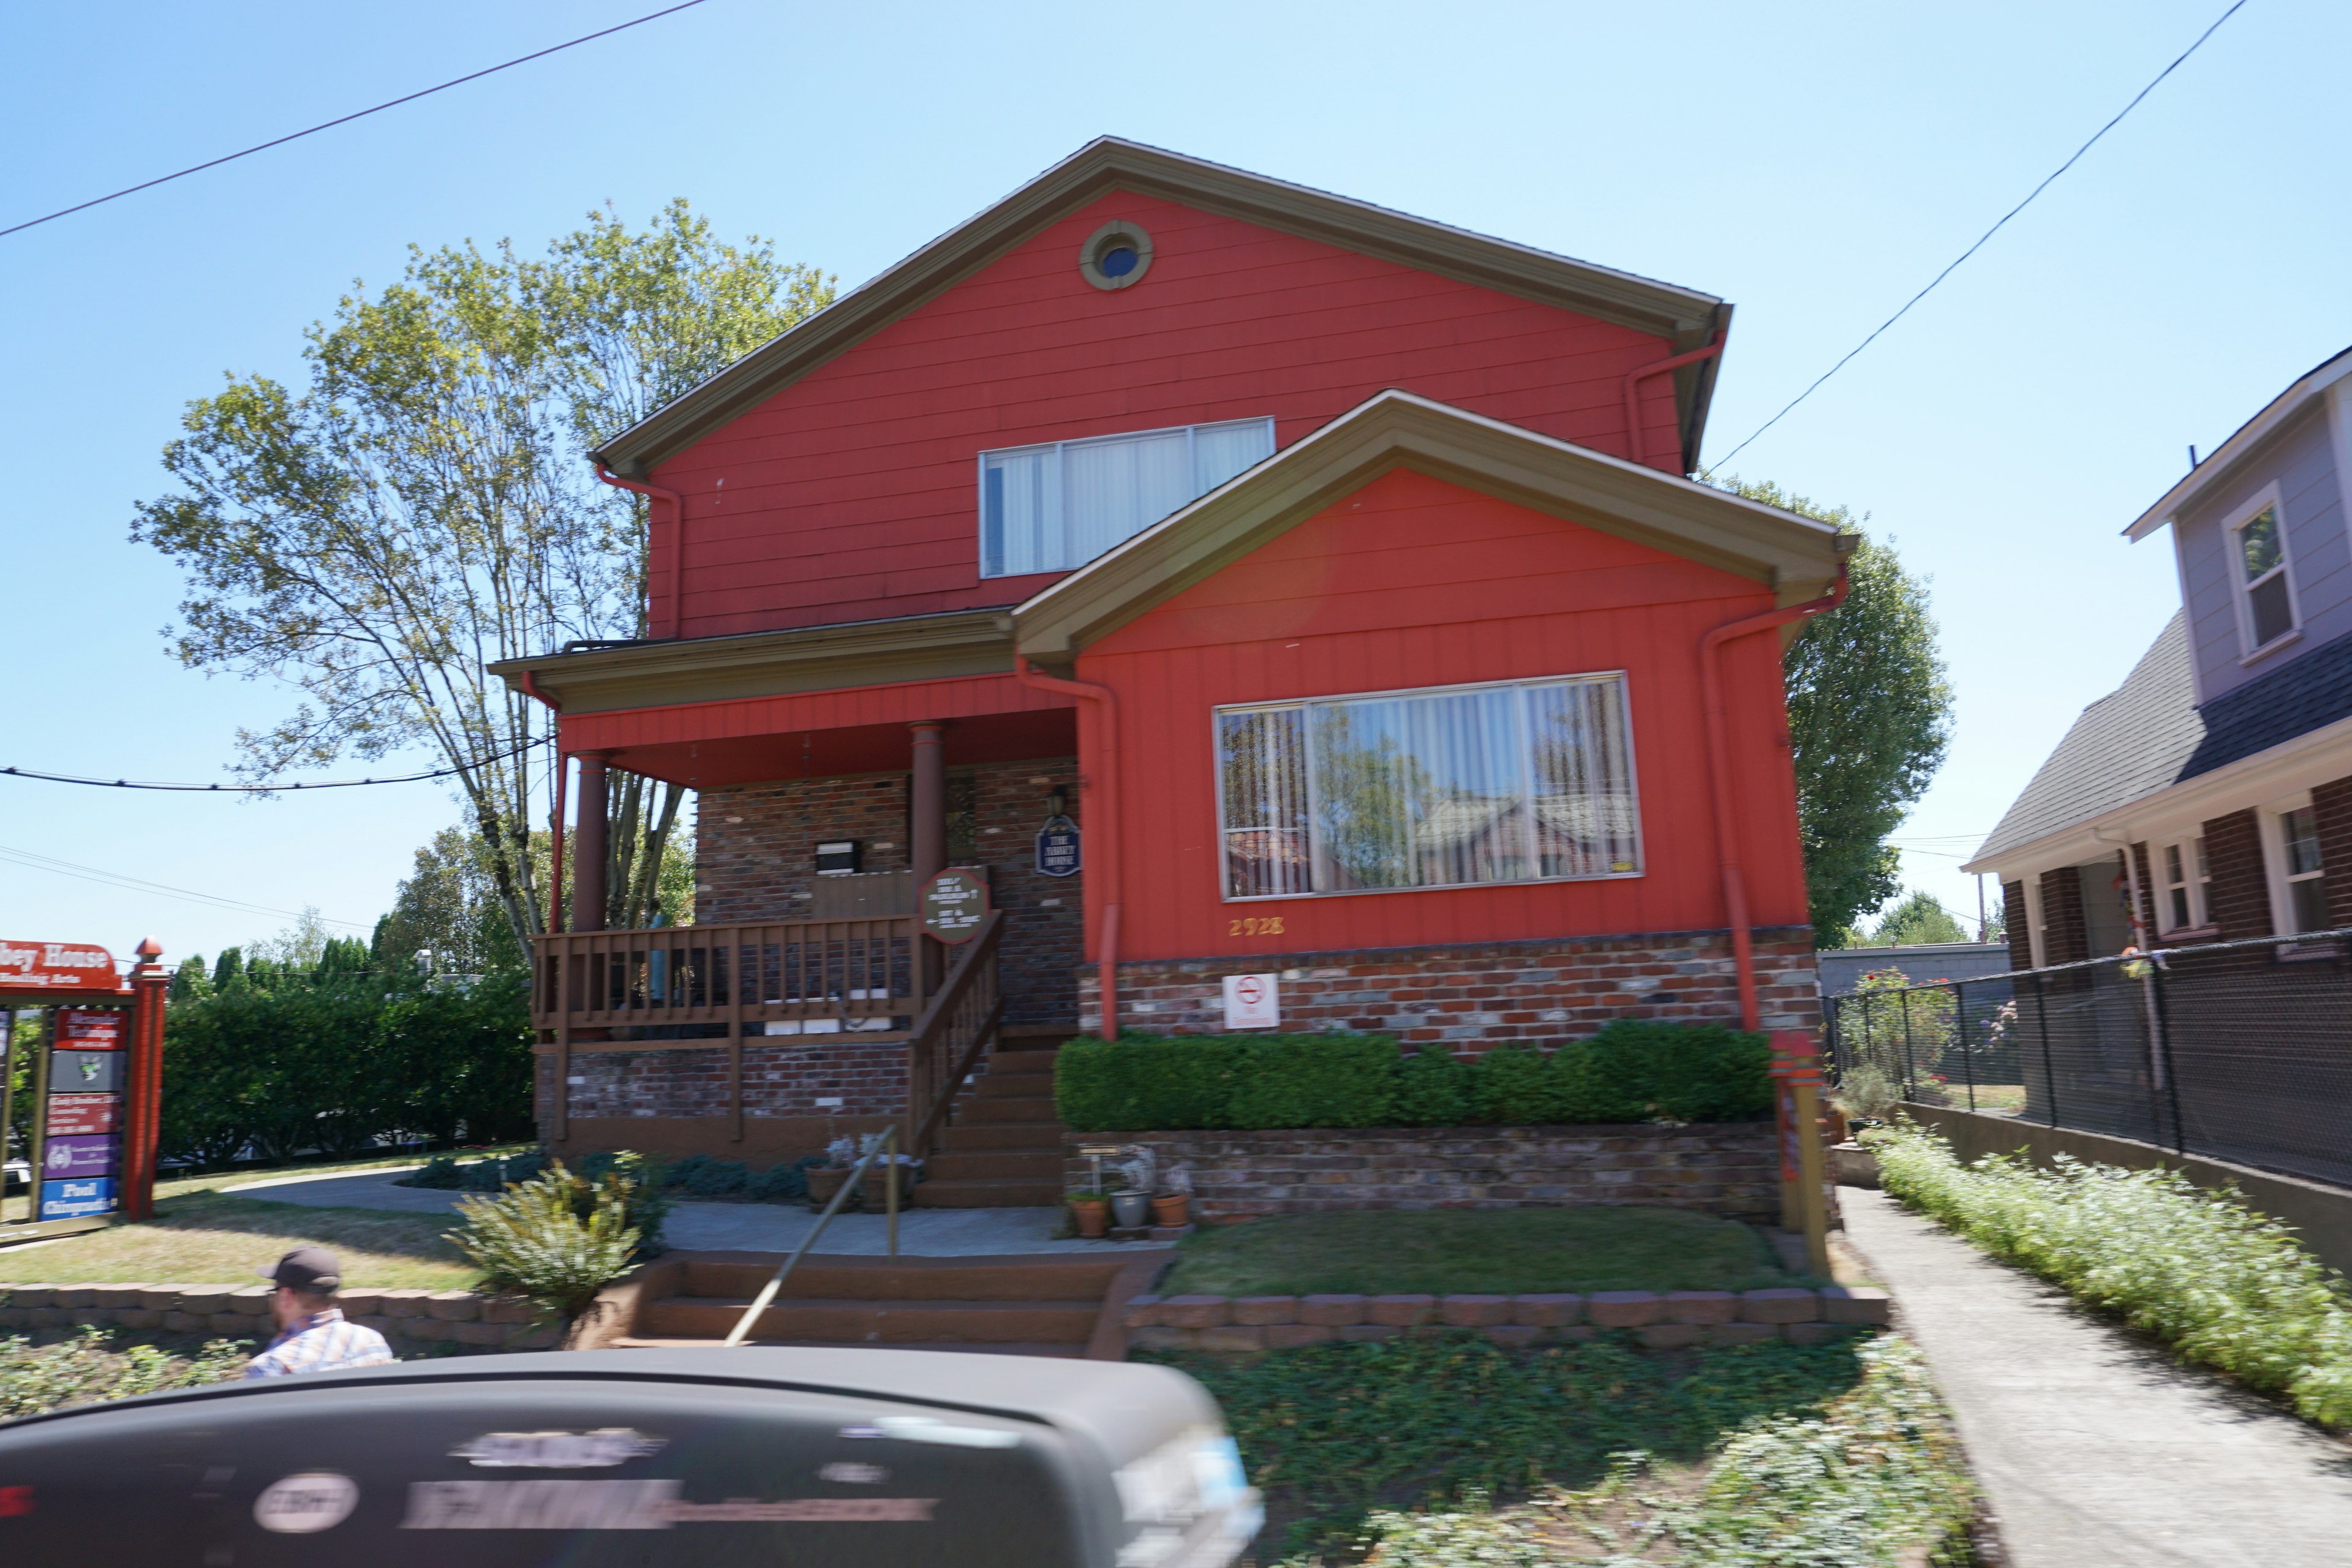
(1485, 994)
(2066, 939)
(2021, 931)
(755, 853)
(675, 1101)
(2239, 901)
(2148, 894)
(1728, 1169)
(2331, 803)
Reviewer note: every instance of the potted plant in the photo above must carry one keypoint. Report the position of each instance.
(1091, 1211)
(871, 1188)
(1130, 1210)
(1173, 1206)
(824, 1181)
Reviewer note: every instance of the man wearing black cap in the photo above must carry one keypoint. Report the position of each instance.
(312, 1335)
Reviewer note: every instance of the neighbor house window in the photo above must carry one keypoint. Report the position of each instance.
(2267, 594)
(1057, 507)
(2306, 879)
(1525, 782)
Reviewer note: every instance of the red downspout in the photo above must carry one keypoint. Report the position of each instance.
(563, 771)
(1634, 378)
(1718, 769)
(676, 548)
(1100, 790)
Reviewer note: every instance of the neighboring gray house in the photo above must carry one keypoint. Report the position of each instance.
(2210, 796)
(1841, 968)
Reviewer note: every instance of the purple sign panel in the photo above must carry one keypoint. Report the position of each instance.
(65, 1157)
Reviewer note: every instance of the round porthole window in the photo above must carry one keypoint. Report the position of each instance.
(1115, 256)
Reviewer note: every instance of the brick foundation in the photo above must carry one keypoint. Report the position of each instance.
(2238, 899)
(408, 1318)
(1728, 1168)
(1474, 995)
(2065, 935)
(2018, 921)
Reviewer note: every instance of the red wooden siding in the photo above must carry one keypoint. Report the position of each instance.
(851, 494)
(1413, 582)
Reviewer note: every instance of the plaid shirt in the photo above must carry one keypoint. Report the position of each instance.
(322, 1342)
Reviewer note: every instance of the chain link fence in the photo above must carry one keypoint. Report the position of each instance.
(2238, 1051)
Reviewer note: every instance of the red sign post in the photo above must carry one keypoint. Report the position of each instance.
(99, 1080)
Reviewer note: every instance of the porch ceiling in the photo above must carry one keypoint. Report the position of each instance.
(717, 764)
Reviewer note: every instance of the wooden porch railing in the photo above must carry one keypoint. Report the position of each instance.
(952, 1034)
(852, 971)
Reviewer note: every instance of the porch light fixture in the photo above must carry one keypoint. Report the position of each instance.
(1116, 256)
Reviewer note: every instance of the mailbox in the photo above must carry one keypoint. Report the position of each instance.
(861, 1459)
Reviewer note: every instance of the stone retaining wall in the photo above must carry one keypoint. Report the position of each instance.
(1670, 1321)
(242, 1312)
(1722, 1168)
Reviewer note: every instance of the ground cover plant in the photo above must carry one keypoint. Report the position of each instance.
(1344, 1437)
(1630, 1072)
(1869, 1479)
(1497, 1251)
(204, 1237)
(2194, 1268)
(89, 1367)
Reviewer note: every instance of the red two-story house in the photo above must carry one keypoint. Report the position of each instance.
(1326, 578)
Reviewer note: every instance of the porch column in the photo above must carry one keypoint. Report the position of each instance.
(927, 848)
(588, 848)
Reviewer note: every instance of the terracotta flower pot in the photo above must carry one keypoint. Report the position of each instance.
(825, 1181)
(1092, 1216)
(1171, 1208)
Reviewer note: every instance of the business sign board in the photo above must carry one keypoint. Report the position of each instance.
(80, 1197)
(61, 966)
(84, 1030)
(66, 1157)
(954, 904)
(85, 1072)
(84, 1115)
(1253, 1002)
(1058, 851)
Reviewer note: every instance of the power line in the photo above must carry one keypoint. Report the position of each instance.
(1988, 233)
(272, 788)
(345, 120)
(31, 861)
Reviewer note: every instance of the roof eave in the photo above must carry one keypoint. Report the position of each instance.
(1685, 317)
(2286, 405)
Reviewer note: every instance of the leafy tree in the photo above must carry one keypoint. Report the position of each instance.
(228, 970)
(418, 510)
(1870, 718)
(191, 980)
(1919, 920)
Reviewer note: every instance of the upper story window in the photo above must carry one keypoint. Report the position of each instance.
(1523, 781)
(1057, 507)
(2266, 591)
(2306, 877)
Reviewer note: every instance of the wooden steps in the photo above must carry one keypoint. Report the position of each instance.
(1002, 1144)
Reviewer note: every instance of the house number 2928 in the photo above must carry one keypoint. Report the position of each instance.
(1257, 925)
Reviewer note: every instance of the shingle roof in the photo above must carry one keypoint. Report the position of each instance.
(2128, 744)
(2149, 734)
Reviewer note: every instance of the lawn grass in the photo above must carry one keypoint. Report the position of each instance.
(204, 1237)
(1489, 1251)
(15, 1207)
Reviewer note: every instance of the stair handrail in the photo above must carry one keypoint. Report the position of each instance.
(849, 1184)
(977, 959)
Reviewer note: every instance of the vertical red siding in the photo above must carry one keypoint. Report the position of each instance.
(851, 494)
(1414, 581)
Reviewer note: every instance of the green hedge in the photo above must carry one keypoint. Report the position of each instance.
(1629, 1072)
(333, 1066)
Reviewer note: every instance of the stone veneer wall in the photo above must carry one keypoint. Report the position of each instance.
(242, 1312)
(755, 859)
(1727, 1168)
(1485, 994)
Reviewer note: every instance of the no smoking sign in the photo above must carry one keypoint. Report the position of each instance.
(1253, 1002)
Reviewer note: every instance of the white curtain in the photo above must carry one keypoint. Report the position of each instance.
(1056, 508)
(1020, 521)
(1114, 489)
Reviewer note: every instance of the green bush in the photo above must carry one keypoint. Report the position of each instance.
(2193, 1266)
(85, 1370)
(1629, 1072)
(558, 1238)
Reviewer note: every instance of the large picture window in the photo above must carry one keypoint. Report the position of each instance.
(1532, 781)
(1057, 507)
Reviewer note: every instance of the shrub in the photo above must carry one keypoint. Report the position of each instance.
(783, 1183)
(2195, 1267)
(84, 1371)
(555, 1239)
(717, 1178)
(1629, 1072)
(440, 1172)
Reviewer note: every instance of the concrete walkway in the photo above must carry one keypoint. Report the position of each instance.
(756, 1227)
(2094, 1450)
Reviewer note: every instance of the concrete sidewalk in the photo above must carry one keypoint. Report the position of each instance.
(2095, 1451)
(754, 1227)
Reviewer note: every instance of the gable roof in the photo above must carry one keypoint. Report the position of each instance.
(2244, 439)
(1795, 555)
(1685, 317)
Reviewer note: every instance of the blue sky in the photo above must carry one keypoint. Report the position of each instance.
(1813, 164)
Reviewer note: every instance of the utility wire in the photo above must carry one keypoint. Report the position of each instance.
(345, 120)
(271, 788)
(1988, 233)
(31, 861)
